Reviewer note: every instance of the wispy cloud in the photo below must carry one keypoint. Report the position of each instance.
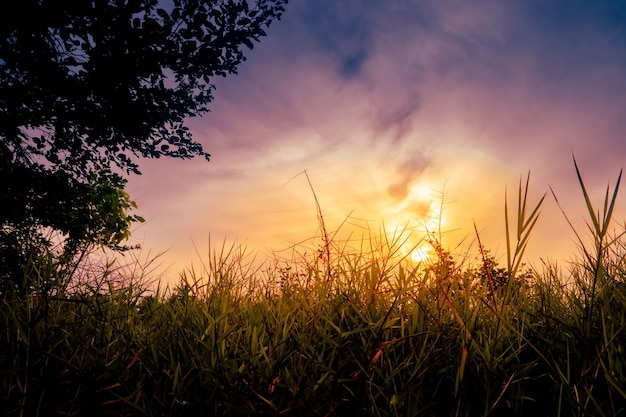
(406, 176)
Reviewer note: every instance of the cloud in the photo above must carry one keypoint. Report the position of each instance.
(406, 175)
(341, 30)
(376, 101)
(395, 117)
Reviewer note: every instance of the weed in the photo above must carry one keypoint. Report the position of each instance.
(329, 332)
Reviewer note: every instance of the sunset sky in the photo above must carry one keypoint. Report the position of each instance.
(387, 105)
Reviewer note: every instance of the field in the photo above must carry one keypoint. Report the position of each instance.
(334, 331)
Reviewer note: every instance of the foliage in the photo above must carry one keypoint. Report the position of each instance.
(58, 210)
(364, 332)
(86, 87)
(91, 212)
(89, 84)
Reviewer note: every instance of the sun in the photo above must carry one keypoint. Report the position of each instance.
(416, 249)
(420, 254)
(417, 217)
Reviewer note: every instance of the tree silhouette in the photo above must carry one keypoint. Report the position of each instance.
(88, 87)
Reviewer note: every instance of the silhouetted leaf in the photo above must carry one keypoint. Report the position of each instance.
(163, 14)
(247, 43)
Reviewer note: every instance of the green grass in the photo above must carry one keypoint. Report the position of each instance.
(330, 332)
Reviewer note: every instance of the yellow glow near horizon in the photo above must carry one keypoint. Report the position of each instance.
(420, 192)
(422, 195)
(416, 251)
(415, 217)
(421, 254)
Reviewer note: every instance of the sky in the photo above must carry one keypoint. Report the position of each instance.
(401, 114)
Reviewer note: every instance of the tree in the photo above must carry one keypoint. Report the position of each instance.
(88, 87)
(86, 83)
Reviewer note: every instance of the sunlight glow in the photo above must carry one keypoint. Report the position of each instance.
(415, 217)
(420, 192)
(421, 254)
(430, 217)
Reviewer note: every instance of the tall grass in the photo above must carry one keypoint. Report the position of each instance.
(332, 331)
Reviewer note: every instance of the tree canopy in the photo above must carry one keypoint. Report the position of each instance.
(89, 83)
(88, 87)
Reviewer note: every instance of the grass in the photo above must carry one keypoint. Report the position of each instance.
(330, 332)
